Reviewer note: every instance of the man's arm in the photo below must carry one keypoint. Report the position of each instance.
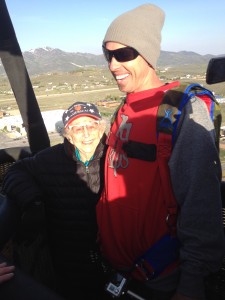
(196, 176)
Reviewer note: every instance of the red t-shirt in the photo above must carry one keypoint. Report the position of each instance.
(132, 211)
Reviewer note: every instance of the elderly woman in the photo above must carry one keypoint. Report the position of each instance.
(68, 179)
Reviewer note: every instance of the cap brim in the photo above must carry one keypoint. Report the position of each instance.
(81, 115)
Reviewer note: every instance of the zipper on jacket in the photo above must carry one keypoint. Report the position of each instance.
(88, 175)
(87, 169)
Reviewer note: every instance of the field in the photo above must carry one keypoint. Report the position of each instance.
(56, 90)
(59, 90)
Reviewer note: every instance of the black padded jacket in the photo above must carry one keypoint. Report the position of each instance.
(70, 192)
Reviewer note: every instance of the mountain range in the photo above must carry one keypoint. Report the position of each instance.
(45, 60)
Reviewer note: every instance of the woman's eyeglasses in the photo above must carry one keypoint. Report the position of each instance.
(79, 128)
(121, 54)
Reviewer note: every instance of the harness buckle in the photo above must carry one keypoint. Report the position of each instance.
(144, 270)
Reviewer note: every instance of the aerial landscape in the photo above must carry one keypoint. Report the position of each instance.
(59, 78)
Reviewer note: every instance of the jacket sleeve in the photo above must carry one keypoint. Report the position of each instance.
(196, 177)
(9, 219)
(20, 183)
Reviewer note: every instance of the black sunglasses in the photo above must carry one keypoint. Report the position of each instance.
(121, 54)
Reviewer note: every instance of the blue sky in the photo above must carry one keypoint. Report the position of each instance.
(79, 26)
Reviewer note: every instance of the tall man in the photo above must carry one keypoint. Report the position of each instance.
(133, 214)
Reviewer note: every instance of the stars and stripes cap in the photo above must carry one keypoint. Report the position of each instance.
(80, 109)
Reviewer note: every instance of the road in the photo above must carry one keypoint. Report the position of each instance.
(64, 94)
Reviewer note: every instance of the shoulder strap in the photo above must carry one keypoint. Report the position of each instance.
(196, 90)
(168, 116)
(169, 110)
(173, 103)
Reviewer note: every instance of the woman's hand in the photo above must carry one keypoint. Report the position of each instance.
(6, 272)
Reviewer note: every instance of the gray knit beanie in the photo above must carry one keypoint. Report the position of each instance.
(139, 28)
